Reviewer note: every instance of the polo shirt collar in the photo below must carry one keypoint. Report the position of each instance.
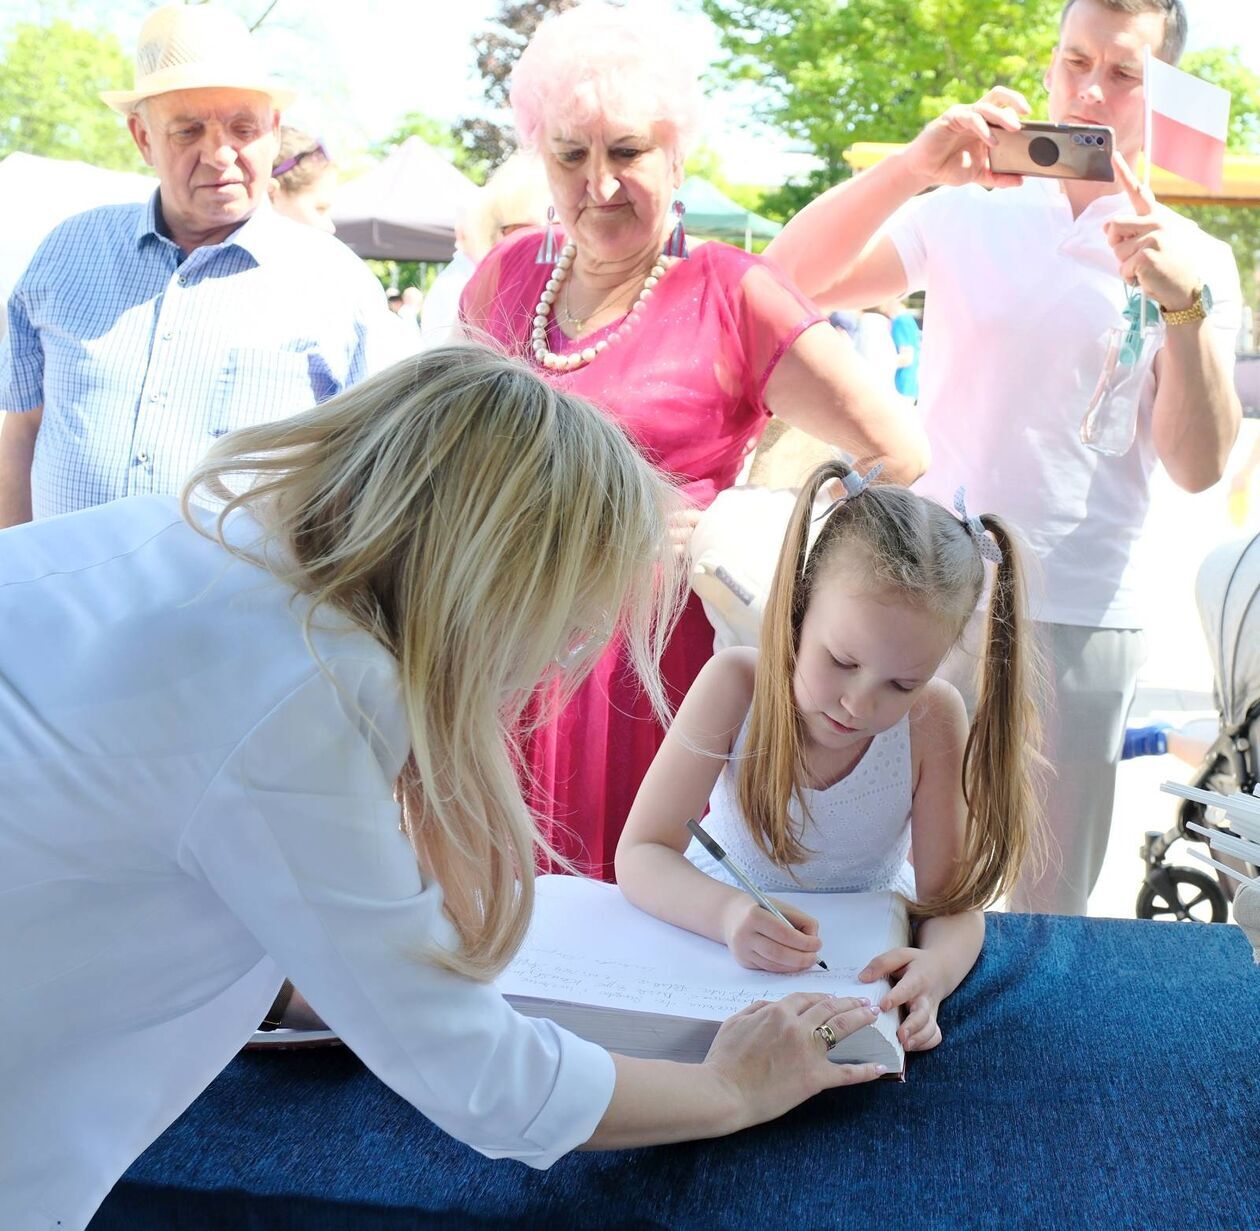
(1051, 191)
(257, 235)
(1082, 238)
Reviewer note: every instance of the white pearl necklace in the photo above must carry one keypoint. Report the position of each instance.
(551, 292)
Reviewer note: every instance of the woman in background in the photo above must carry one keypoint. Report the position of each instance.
(514, 198)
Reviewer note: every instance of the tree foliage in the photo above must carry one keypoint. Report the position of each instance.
(498, 47)
(50, 82)
(832, 73)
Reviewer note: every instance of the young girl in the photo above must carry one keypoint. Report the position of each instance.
(831, 755)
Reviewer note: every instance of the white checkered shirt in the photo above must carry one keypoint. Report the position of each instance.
(141, 356)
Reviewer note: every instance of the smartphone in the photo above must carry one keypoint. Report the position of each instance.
(1059, 151)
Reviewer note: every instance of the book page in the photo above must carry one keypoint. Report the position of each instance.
(588, 945)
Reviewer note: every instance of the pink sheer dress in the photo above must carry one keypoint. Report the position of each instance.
(687, 384)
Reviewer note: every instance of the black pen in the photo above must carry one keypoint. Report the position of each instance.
(740, 875)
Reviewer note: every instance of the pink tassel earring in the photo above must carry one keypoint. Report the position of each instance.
(546, 254)
(677, 243)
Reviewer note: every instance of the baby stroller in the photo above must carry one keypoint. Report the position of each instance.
(1228, 594)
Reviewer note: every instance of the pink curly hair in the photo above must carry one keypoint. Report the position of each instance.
(595, 62)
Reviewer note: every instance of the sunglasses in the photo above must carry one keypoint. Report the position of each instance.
(289, 163)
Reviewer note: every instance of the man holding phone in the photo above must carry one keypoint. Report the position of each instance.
(1023, 286)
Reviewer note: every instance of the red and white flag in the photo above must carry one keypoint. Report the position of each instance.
(1187, 121)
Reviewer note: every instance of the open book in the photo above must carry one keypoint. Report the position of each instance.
(610, 973)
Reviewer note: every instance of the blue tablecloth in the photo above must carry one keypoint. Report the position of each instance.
(1094, 1074)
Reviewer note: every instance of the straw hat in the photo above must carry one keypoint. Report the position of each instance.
(193, 47)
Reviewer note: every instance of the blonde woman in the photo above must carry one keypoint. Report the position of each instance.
(514, 198)
(204, 739)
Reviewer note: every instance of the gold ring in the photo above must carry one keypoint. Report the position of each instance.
(827, 1035)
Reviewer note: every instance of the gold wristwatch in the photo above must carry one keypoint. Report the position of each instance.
(1200, 306)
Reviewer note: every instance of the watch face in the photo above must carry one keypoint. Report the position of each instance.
(1207, 298)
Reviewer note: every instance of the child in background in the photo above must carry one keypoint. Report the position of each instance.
(830, 755)
(303, 180)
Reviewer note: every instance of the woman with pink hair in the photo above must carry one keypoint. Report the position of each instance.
(690, 353)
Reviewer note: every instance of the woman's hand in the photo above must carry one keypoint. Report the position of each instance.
(764, 1061)
(772, 1060)
(759, 941)
(921, 984)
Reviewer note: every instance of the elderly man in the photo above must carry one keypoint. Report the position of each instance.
(140, 333)
(1023, 286)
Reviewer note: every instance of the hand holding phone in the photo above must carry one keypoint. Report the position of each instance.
(1057, 151)
(953, 149)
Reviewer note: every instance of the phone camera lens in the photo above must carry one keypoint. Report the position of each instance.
(1043, 151)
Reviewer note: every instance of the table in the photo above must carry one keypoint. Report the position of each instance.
(1094, 1074)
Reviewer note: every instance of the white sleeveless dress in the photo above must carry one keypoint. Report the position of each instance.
(859, 838)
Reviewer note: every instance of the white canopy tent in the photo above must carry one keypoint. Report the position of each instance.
(404, 209)
(40, 192)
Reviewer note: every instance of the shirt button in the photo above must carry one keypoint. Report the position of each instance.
(183, 280)
(167, 336)
(142, 458)
(156, 398)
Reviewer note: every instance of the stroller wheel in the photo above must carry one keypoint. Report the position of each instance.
(1182, 895)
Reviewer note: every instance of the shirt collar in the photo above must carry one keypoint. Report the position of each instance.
(260, 233)
(147, 223)
(1052, 192)
(257, 235)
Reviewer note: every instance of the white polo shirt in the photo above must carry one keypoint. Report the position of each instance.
(1019, 299)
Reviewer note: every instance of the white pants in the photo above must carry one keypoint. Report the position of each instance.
(1091, 676)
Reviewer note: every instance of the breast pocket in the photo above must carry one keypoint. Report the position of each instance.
(258, 386)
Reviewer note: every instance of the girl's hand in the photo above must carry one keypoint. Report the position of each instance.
(759, 941)
(770, 1058)
(919, 985)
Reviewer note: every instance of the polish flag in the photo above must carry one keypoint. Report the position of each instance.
(1187, 121)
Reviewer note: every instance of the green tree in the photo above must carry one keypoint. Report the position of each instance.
(832, 73)
(50, 81)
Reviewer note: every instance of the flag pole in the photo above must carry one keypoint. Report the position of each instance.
(1146, 153)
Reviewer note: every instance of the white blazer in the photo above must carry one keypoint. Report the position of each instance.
(191, 808)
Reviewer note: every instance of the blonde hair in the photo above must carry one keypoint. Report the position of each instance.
(516, 195)
(924, 555)
(475, 521)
